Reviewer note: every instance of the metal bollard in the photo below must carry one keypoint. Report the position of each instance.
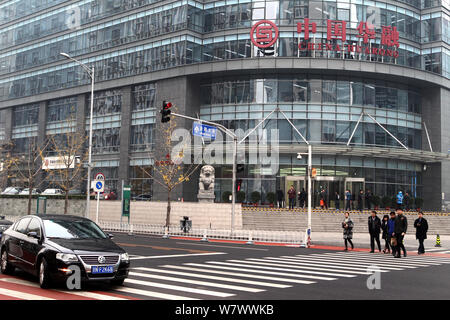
(205, 238)
(250, 238)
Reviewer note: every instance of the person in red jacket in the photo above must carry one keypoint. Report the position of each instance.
(291, 196)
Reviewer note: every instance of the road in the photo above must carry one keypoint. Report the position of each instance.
(174, 269)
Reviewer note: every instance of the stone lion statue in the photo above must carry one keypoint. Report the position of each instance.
(206, 182)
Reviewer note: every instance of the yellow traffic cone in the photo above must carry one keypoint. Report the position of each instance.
(438, 241)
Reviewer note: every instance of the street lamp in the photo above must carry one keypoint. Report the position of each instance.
(299, 156)
(91, 74)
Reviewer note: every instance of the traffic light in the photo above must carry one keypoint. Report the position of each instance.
(165, 111)
(238, 185)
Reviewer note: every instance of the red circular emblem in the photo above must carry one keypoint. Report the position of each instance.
(262, 33)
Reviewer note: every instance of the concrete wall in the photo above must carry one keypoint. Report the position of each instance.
(203, 215)
(19, 206)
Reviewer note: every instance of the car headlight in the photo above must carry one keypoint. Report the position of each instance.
(124, 257)
(66, 257)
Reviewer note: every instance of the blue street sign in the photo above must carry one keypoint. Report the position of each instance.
(203, 130)
(98, 185)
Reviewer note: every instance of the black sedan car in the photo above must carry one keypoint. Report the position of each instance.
(4, 224)
(48, 245)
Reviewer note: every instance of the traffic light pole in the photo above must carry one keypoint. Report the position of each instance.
(234, 136)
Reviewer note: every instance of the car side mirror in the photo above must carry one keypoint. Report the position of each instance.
(110, 235)
(33, 234)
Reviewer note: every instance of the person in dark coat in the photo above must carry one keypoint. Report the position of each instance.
(368, 198)
(385, 235)
(302, 198)
(401, 225)
(347, 225)
(421, 226)
(406, 199)
(280, 198)
(374, 231)
(291, 196)
(360, 200)
(337, 200)
(391, 231)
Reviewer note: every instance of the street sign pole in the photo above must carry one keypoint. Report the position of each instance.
(98, 202)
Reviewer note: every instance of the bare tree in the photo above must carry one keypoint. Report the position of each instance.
(70, 152)
(28, 166)
(169, 170)
(7, 160)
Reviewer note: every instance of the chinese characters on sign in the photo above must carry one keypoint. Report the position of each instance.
(265, 33)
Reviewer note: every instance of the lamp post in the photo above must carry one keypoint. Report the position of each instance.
(91, 74)
(299, 156)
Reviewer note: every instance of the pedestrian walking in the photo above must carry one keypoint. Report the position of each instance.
(374, 231)
(337, 200)
(347, 225)
(401, 225)
(348, 200)
(385, 235)
(323, 199)
(360, 200)
(406, 201)
(399, 200)
(421, 226)
(280, 198)
(291, 196)
(368, 198)
(391, 233)
(302, 198)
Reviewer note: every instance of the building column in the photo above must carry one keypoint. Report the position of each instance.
(125, 131)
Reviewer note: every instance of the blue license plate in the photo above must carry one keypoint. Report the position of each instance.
(106, 269)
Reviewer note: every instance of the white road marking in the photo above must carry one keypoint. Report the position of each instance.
(284, 264)
(393, 262)
(86, 294)
(197, 282)
(258, 265)
(179, 288)
(342, 263)
(22, 295)
(204, 276)
(237, 274)
(409, 259)
(153, 294)
(246, 269)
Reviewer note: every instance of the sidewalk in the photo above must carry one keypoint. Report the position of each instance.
(362, 240)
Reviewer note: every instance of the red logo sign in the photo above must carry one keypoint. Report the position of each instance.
(264, 34)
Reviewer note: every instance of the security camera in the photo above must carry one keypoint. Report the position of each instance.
(299, 156)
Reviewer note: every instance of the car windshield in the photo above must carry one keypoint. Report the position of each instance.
(72, 229)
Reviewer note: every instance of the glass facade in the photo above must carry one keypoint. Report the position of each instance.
(415, 29)
(123, 39)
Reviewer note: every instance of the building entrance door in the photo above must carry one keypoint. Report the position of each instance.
(354, 185)
(325, 187)
(299, 183)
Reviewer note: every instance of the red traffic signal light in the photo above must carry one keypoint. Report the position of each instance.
(165, 111)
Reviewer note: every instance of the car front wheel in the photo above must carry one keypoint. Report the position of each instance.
(6, 267)
(44, 277)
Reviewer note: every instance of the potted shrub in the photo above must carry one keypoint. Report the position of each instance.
(255, 196)
(240, 196)
(376, 201)
(226, 196)
(386, 202)
(271, 198)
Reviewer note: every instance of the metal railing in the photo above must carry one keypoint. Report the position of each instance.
(250, 236)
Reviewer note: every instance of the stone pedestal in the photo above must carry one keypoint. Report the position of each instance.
(205, 196)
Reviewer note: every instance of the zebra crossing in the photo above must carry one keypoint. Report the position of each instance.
(228, 278)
